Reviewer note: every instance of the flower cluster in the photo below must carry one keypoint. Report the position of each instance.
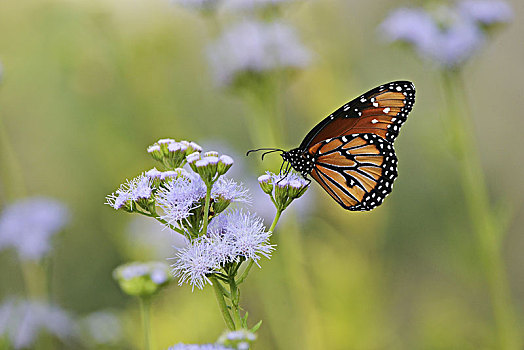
(283, 189)
(22, 321)
(446, 35)
(253, 48)
(142, 279)
(241, 339)
(232, 237)
(191, 197)
(180, 193)
(29, 224)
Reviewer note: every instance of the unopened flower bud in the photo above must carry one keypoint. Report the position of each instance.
(155, 152)
(266, 183)
(142, 279)
(224, 163)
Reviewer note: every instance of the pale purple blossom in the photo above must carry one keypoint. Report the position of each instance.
(240, 339)
(449, 35)
(153, 148)
(193, 157)
(180, 196)
(132, 190)
(256, 47)
(157, 272)
(21, 321)
(227, 160)
(246, 235)
(229, 190)
(194, 262)
(28, 225)
(230, 236)
(486, 12)
(176, 147)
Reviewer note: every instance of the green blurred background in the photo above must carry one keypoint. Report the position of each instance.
(88, 85)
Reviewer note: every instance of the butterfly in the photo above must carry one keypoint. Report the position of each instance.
(350, 153)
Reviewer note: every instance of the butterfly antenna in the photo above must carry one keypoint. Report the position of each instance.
(268, 150)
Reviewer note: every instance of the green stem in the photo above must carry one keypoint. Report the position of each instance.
(251, 262)
(145, 311)
(222, 303)
(14, 176)
(206, 207)
(235, 298)
(488, 233)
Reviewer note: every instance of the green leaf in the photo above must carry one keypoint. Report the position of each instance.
(256, 327)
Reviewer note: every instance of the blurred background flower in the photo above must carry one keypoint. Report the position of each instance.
(101, 328)
(22, 322)
(446, 34)
(253, 48)
(28, 226)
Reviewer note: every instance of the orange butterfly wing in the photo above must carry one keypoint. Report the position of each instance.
(357, 170)
(380, 111)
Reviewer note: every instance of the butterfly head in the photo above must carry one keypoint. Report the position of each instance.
(301, 161)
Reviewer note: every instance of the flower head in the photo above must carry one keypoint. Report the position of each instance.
(172, 154)
(230, 237)
(29, 224)
(225, 191)
(448, 36)
(194, 263)
(240, 339)
(21, 321)
(135, 191)
(244, 233)
(142, 279)
(282, 188)
(253, 47)
(486, 12)
(180, 196)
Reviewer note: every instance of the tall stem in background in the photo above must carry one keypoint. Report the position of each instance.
(13, 179)
(145, 311)
(484, 221)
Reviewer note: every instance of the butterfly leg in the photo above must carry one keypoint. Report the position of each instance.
(304, 175)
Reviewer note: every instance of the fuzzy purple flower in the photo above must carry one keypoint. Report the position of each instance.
(22, 321)
(194, 263)
(229, 190)
(139, 188)
(448, 36)
(29, 224)
(256, 47)
(230, 236)
(486, 12)
(180, 196)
